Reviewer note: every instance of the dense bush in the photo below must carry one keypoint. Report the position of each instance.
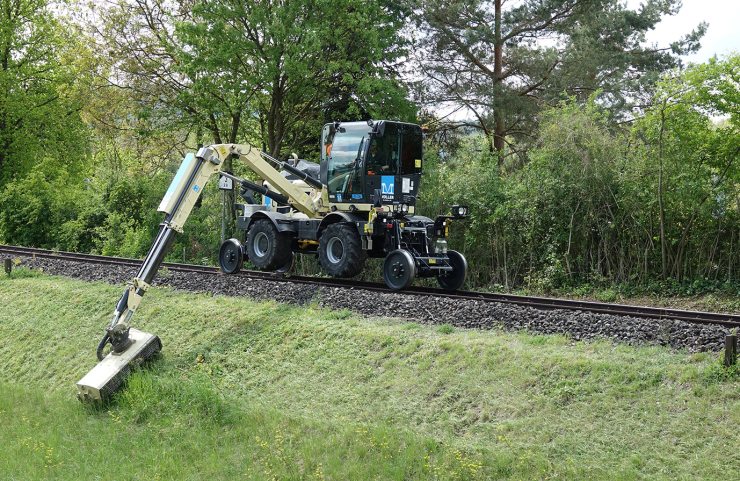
(35, 209)
(585, 209)
(115, 215)
(649, 204)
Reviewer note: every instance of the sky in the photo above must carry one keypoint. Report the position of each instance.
(722, 37)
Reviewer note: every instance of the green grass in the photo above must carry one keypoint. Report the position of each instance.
(247, 390)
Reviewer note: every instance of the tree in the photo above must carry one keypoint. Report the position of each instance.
(142, 102)
(39, 108)
(264, 71)
(504, 64)
(695, 158)
(297, 61)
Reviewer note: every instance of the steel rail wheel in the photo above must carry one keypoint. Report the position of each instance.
(230, 256)
(399, 269)
(455, 279)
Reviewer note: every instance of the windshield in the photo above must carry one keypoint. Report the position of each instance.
(346, 157)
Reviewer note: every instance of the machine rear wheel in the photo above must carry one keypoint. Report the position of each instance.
(340, 251)
(267, 248)
(230, 256)
(399, 269)
(456, 278)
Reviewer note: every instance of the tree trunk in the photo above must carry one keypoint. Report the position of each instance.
(213, 127)
(275, 121)
(498, 61)
(663, 253)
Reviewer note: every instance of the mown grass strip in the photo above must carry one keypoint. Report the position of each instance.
(279, 392)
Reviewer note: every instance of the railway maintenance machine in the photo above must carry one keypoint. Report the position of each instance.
(359, 202)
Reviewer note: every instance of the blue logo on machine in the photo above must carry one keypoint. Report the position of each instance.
(196, 188)
(387, 185)
(356, 196)
(339, 197)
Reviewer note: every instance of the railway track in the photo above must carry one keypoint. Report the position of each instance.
(727, 320)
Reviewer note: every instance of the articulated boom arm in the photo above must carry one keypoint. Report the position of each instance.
(177, 203)
(312, 204)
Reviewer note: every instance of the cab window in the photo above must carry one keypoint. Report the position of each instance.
(327, 139)
(382, 153)
(412, 150)
(346, 157)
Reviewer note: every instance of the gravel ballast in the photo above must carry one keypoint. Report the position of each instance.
(467, 314)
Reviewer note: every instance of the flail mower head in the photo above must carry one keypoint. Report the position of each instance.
(110, 373)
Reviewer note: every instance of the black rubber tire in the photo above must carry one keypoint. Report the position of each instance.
(399, 269)
(267, 248)
(340, 251)
(230, 256)
(456, 278)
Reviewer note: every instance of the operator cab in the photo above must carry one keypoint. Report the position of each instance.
(360, 158)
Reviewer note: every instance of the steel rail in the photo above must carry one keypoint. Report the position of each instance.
(541, 303)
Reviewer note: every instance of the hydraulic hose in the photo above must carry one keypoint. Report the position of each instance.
(101, 346)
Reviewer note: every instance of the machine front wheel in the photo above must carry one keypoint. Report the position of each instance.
(399, 269)
(230, 256)
(340, 251)
(456, 278)
(268, 249)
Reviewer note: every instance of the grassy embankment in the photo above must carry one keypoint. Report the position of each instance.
(247, 390)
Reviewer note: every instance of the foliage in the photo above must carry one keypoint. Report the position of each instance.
(141, 94)
(39, 102)
(290, 57)
(588, 208)
(267, 72)
(445, 329)
(35, 209)
(58, 211)
(503, 63)
(22, 272)
(696, 162)
(719, 373)
(176, 76)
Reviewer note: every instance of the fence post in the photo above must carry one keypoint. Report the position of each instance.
(730, 350)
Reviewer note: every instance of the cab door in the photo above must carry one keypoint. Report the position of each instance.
(382, 166)
(398, 181)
